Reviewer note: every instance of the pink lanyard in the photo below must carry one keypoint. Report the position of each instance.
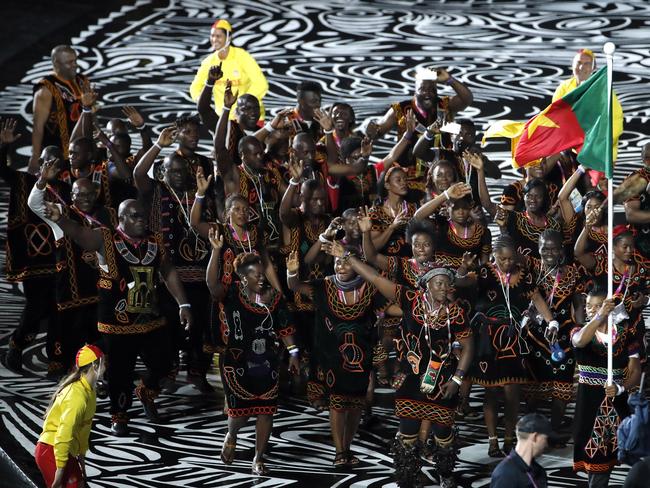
(623, 282)
(556, 282)
(528, 218)
(73, 207)
(465, 233)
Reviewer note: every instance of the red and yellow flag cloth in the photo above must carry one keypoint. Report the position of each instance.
(579, 120)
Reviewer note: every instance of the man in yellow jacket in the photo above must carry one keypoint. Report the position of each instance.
(237, 65)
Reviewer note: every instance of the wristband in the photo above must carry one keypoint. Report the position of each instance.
(324, 239)
(209, 85)
(428, 135)
(86, 110)
(291, 275)
(293, 182)
(598, 316)
(198, 197)
(268, 127)
(155, 144)
(581, 169)
(554, 324)
(446, 194)
(457, 380)
(331, 131)
(620, 389)
(450, 80)
(226, 109)
(141, 127)
(185, 305)
(460, 373)
(294, 352)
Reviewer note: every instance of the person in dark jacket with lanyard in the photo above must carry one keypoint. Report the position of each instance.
(519, 469)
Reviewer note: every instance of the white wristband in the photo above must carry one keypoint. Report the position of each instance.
(581, 169)
(198, 197)
(268, 127)
(209, 85)
(426, 135)
(323, 239)
(446, 194)
(185, 305)
(291, 275)
(226, 109)
(457, 380)
(554, 324)
(328, 131)
(293, 182)
(620, 389)
(158, 146)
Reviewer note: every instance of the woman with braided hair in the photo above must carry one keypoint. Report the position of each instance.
(431, 323)
(344, 332)
(254, 319)
(505, 290)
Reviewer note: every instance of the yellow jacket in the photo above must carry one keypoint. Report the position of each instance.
(238, 67)
(617, 111)
(68, 423)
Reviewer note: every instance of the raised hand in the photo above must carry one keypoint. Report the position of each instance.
(401, 219)
(459, 190)
(323, 119)
(474, 159)
(88, 95)
(133, 115)
(293, 263)
(334, 226)
(335, 249)
(364, 221)
(469, 260)
(593, 217)
(229, 98)
(215, 238)
(167, 136)
(295, 169)
(280, 120)
(202, 184)
(411, 121)
(7, 132)
(366, 147)
(49, 169)
(372, 130)
(52, 211)
(606, 308)
(443, 76)
(501, 217)
(215, 73)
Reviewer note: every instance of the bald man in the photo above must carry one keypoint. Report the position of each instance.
(56, 104)
(132, 263)
(76, 279)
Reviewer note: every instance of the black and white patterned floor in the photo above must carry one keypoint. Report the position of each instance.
(511, 54)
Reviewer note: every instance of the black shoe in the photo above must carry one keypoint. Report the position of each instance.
(148, 405)
(14, 360)
(120, 429)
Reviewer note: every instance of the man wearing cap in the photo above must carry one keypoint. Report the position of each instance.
(62, 445)
(520, 469)
(237, 66)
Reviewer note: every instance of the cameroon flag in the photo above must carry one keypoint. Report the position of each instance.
(581, 119)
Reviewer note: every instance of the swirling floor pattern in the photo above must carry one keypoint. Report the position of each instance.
(511, 54)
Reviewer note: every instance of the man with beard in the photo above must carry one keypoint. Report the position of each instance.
(77, 272)
(171, 202)
(30, 251)
(131, 262)
(429, 109)
(57, 104)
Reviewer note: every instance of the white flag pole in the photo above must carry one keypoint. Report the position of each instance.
(609, 49)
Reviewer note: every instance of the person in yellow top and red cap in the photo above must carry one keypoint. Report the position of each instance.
(62, 445)
(237, 65)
